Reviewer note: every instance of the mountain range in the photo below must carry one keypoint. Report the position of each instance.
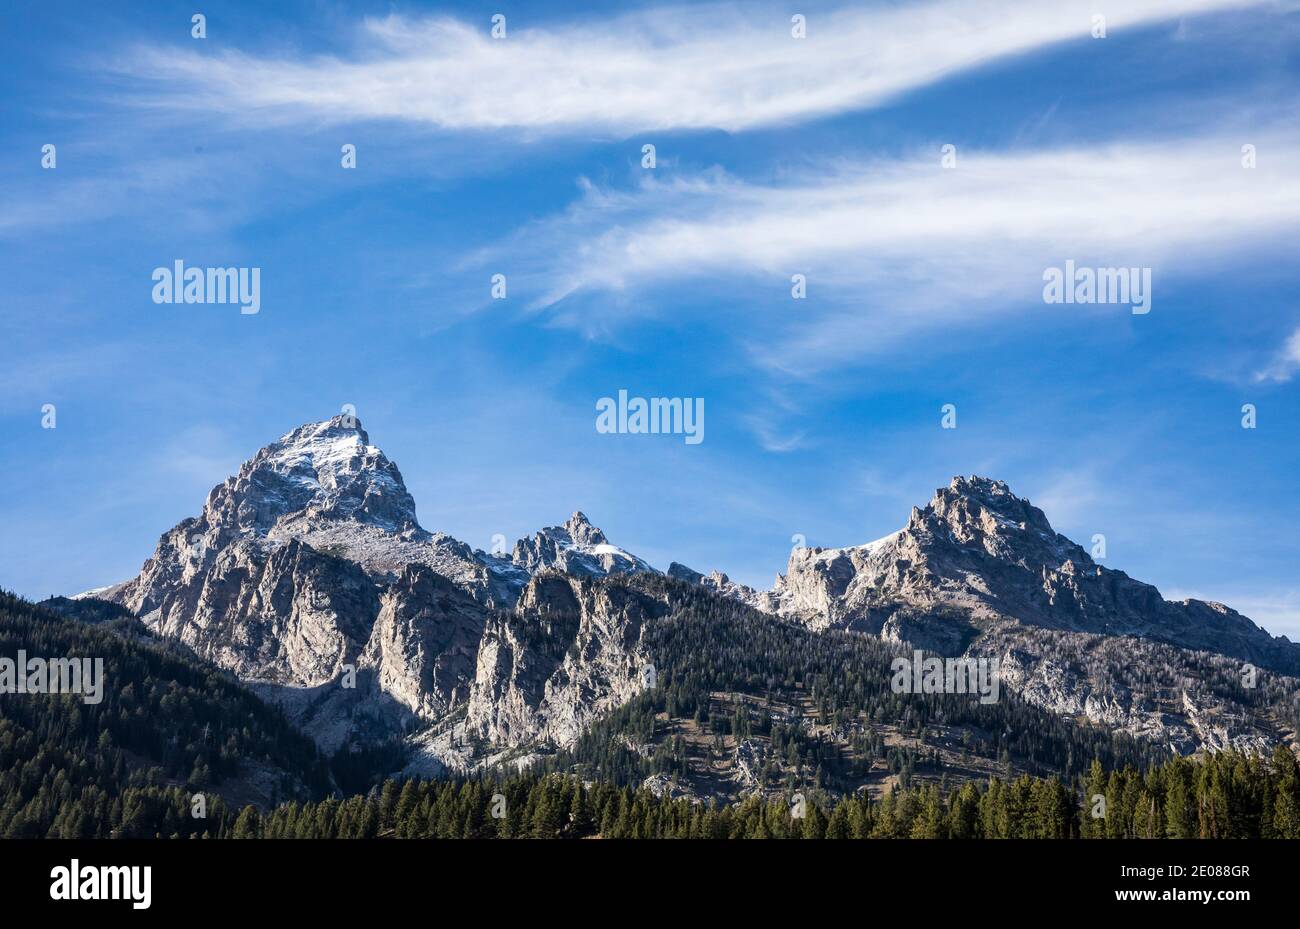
(309, 578)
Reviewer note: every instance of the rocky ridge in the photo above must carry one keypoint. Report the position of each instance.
(981, 572)
(308, 575)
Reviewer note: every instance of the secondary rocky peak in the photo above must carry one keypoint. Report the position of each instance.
(977, 556)
(720, 583)
(578, 548)
(681, 572)
(582, 532)
(977, 512)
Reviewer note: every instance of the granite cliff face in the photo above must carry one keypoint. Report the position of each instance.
(570, 651)
(425, 641)
(308, 575)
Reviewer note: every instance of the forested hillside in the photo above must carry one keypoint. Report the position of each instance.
(814, 709)
(67, 767)
(811, 710)
(1223, 796)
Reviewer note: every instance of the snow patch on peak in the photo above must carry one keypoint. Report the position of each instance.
(319, 472)
(871, 548)
(577, 548)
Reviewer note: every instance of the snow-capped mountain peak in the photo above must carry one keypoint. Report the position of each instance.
(323, 471)
(324, 485)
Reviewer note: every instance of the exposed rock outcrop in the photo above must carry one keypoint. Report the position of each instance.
(576, 548)
(568, 652)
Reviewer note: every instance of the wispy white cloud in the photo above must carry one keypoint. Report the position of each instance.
(1285, 363)
(903, 245)
(773, 436)
(668, 68)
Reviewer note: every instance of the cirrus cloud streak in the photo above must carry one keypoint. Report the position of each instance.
(709, 67)
(890, 247)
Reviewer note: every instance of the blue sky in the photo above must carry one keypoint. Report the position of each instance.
(775, 156)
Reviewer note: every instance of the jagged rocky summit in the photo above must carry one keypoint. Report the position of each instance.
(308, 575)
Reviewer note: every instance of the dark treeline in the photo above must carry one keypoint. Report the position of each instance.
(73, 769)
(1228, 795)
